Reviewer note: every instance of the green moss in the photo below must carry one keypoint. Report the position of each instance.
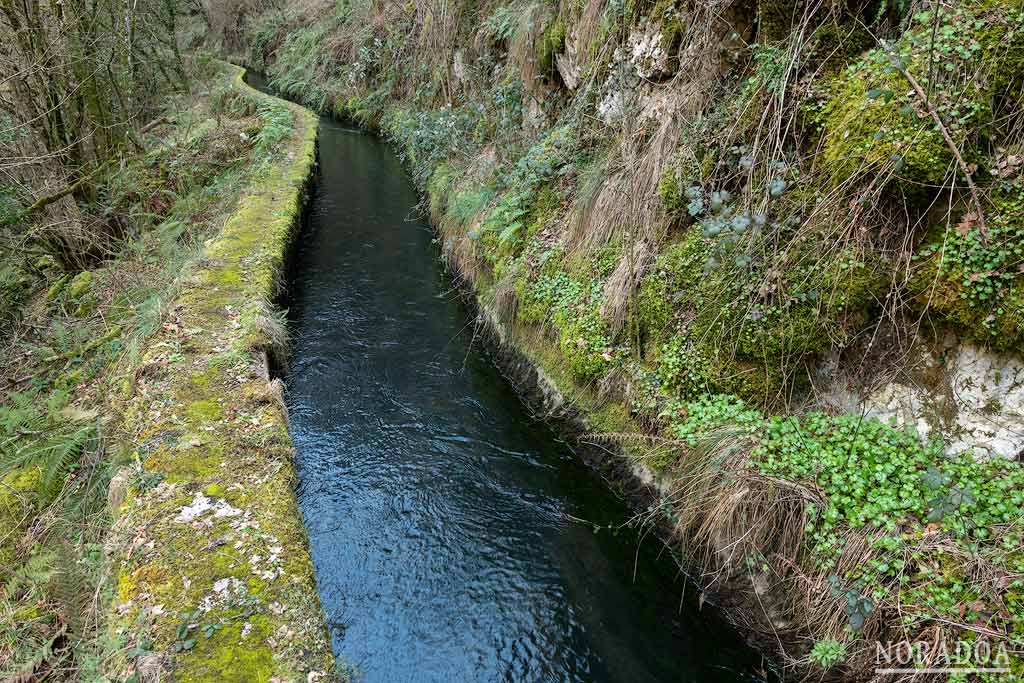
(872, 119)
(202, 460)
(757, 383)
(228, 656)
(654, 307)
(532, 310)
(673, 21)
(584, 342)
(1002, 55)
(673, 283)
(439, 186)
(207, 378)
(229, 276)
(205, 411)
(973, 282)
(611, 417)
(775, 18)
(551, 42)
(57, 288)
(835, 43)
(18, 499)
(214, 491)
(244, 462)
(739, 338)
(546, 207)
(86, 308)
(670, 193)
(80, 285)
(864, 132)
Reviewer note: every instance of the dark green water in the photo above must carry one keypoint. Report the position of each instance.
(443, 520)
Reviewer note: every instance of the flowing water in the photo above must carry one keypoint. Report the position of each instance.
(445, 524)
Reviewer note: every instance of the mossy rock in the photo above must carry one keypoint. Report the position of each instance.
(80, 285)
(741, 339)
(775, 19)
(86, 307)
(874, 121)
(57, 288)
(756, 383)
(673, 282)
(865, 132)
(973, 282)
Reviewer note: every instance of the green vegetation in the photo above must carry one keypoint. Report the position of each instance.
(924, 513)
(828, 653)
(84, 365)
(687, 218)
(681, 246)
(971, 276)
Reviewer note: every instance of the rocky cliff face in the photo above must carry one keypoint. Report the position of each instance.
(969, 397)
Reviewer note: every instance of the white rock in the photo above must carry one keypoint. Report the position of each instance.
(977, 407)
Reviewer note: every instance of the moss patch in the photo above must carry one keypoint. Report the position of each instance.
(214, 566)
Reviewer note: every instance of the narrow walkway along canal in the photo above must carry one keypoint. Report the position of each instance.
(443, 520)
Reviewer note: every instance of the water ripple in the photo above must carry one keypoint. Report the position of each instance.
(444, 523)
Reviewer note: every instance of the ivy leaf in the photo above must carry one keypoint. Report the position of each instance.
(934, 479)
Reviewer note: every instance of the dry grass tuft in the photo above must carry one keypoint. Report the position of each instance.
(624, 280)
(505, 300)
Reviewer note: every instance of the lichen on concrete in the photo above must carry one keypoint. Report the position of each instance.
(214, 578)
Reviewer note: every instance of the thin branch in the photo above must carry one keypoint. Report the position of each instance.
(49, 199)
(975, 195)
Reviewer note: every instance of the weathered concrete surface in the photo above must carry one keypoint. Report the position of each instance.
(213, 577)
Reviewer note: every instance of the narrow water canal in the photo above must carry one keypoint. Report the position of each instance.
(443, 520)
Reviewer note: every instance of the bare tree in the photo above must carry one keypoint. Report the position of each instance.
(77, 79)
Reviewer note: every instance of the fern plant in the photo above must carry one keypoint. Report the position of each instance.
(51, 438)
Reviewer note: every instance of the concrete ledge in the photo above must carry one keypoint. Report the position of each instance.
(214, 580)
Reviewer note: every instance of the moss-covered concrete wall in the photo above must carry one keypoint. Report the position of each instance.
(214, 580)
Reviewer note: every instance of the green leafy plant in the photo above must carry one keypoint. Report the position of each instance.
(51, 439)
(828, 653)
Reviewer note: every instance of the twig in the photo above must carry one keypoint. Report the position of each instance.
(954, 149)
(82, 350)
(153, 124)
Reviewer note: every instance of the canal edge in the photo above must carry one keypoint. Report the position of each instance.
(212, 561)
